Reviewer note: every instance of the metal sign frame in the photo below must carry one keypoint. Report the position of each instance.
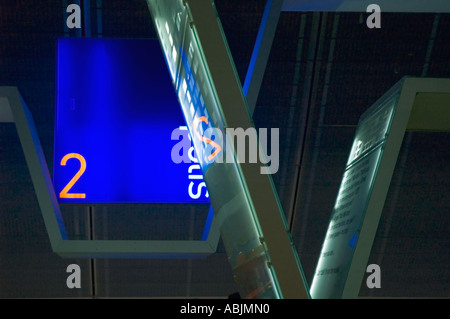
(412, 112)
(14, 109)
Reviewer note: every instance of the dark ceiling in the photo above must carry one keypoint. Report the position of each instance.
(324, 70)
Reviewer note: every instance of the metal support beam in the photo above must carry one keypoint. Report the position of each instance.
(418, 6)
(261, 52)
(253, 227)
(34, 155)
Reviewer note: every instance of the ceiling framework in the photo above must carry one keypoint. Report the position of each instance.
(324, 69)
(405, 6)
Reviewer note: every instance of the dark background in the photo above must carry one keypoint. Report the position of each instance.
(325, 69)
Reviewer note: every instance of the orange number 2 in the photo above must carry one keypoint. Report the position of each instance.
(65, 192)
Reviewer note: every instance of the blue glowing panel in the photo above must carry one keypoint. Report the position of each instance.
(117, 120)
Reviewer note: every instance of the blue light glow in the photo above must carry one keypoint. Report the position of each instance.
(116, 106)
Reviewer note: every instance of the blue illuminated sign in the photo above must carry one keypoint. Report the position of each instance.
(117, 119)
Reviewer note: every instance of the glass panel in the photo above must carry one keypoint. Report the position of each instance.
(203, 114)
(352, 200)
